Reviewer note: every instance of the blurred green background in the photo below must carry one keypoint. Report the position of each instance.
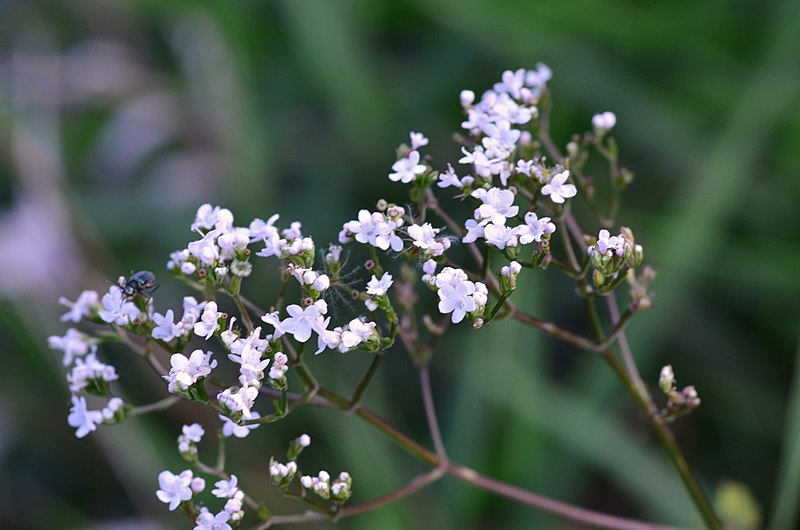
(117, 119)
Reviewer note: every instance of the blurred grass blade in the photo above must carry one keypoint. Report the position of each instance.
(787, 489)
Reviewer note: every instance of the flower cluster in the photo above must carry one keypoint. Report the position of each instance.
(516, 196)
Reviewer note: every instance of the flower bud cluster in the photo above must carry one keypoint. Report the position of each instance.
(679, 402)
(611, 254)
(188, 440)
(339, 490)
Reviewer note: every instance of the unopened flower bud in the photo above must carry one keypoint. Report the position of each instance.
(467, 97)
(666, 381)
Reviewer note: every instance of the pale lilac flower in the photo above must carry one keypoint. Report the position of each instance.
(474, 231)
(84, 420)
(557, 189)
(194, 432)
(376, 230)
(511, 270)
(79, 308)
(230, 428)
(604, 121)
(424, 237)
(87, 370)
(226, 489)
(73, 344)
(165, 328)
(537, 79)
(186, 371)
(174, 489)
(260, 231)
(534, 228)
(209, 321)
(279, 366)
(498, 205)
(110, 410)
(418, 140)
(302, 322)
(356, 332)
(206, 249)
(449, 178)
(329, 338)
(239, 400)
(500, 236)
(117, 308)
(208, 521)
(278, 470)
(377, 287)
(273, 319)
(304, 440)
(512, 83)
(407, 169)
(457, 300)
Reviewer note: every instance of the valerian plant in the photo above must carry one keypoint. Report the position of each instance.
(520, 188)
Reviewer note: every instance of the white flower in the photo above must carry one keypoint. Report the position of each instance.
(304, 440)
(407, 169)
(329, 338)
(174, 488)
(538, 78)
(209, 321)
(534, 228)
(273, 319)
(165, 329)
(208, 521)
(85, 421)
(117, 309)
(377, 287)
(605, 242)
(376, 230)
(302, 322)
(87, 370)
(241, 400)
(474, 231)
(278, 470)
(557, 189)
(260, 231)
(604, 121)
(205, 249)
(230, 428)
(500, 236)
(457, 300)
(73, 344)
(424, 237)
(225, 489)
(466, 97)
(449, 178)
(498, 205)
(194, 432)
(418, 140)
(186, 371)
(279, 367)
(511, 270)
(512, 83)
(356, 332)
(79, 308)
(209, 217)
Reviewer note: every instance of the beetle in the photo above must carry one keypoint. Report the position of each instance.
(142, 282)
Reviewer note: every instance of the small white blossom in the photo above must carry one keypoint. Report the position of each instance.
(194, 432)
(87, 370)
(174, 489)
(117, 308)
(407, 169)
(73, 344)
(557, 189)
(375, 229)
(377, 287)
(424, 237)
(534, 228)
(230, 428)
(186, 371)
(302, 322)
(304, 440)
(417, 140)
(226, 489)
(279, 366)
(356, 332)
(79, 308)
(165, 329)
(209, 521)
(209, 321)
(84, 420)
